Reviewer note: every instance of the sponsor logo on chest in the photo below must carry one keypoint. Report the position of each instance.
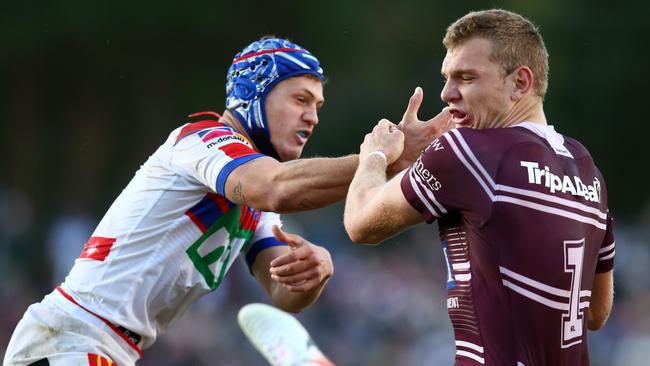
(227, 139)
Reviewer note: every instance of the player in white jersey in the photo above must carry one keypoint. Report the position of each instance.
(208, 194)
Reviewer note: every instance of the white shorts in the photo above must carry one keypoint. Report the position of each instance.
(66, 334)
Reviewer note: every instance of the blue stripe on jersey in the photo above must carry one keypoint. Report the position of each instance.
(207, 211)
(259, 246)
(228, 168)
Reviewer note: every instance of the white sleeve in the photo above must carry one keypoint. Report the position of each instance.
(263, 237)
(211, 154)
(265, 225)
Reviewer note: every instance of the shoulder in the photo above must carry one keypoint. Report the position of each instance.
(204, 129)
(578, 150)
(202, 124)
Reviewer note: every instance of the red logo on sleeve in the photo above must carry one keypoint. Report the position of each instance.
(97, 248)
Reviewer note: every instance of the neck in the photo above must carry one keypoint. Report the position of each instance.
(526, 110)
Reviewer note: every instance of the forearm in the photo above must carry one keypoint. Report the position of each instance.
(358, 217)
(602, 298)
(308, 184)
(297, 185)
(292, 301)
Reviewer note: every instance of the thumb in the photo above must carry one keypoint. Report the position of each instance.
(292, 240)
(442, 118)
(411, 113)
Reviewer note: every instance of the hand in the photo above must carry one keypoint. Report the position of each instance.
(305, 267)
(385, 137)
(418, 134)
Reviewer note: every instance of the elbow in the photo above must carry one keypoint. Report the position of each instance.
(276, 199)
(596, 320)
(362, 238)
(359, 234)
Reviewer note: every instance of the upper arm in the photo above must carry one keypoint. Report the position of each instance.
(385, 214)
(255, 184)
(211, 154)
(602, 293)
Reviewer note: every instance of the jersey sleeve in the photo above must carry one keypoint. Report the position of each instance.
(439, 182)
(607, 249)
(263, 237)
(210, 154)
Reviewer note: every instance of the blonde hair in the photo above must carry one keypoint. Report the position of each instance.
(515, 40)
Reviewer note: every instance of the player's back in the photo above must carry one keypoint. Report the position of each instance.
(522, 236)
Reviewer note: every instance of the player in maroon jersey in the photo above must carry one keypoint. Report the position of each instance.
(522, 210)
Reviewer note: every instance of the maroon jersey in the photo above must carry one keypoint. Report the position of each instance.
(524, 227)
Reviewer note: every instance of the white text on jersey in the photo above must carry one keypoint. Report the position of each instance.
(564, 184)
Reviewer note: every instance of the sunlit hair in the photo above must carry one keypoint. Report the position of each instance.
(515, 40)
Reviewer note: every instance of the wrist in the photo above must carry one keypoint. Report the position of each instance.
(377, 154)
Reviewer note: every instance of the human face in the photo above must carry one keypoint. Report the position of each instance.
(292, 113)
(478, 93)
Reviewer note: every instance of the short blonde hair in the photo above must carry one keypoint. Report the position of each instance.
(515, 40)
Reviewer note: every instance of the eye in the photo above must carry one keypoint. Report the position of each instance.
(301, 99)
(466, 77)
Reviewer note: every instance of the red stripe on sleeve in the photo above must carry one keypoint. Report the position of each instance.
(236, 150)
(97, 248)
(92, 359)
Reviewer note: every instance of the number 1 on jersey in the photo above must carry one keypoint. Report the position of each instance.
(572, 323)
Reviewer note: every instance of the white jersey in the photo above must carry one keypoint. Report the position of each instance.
(170, 236)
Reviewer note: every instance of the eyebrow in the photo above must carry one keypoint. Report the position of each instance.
(322, 101)
(461, 72)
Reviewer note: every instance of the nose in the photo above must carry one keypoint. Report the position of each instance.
(449, 92)
(311, 115)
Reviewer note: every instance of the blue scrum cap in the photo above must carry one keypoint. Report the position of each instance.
(254, 72)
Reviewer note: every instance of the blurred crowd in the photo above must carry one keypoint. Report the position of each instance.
(384, 305)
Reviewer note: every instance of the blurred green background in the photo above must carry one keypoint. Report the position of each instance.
(89, 89)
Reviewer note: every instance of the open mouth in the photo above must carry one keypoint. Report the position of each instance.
(457, 116)
(303, 135)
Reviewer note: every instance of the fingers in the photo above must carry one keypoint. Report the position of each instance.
(386, 125)
(442, 121)
(302, 269)
(305, 286)
(444, 115)
(301, 281)
(298, 278)
(297, 265)
(411, 113)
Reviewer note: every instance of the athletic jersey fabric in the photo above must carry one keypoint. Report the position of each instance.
(171, 235)
(524, 226)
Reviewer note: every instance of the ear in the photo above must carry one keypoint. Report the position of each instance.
(523, 82)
